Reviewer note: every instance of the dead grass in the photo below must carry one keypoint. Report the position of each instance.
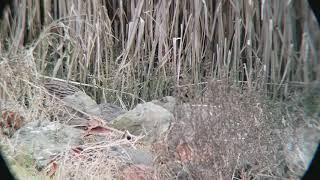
(147, 48)
(128, 52)
(231, 134)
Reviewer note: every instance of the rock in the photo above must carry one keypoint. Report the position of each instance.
(140, 156)
(78, 100)
(110, 111)
(81, 101)
(46, 139)
(133, 156)
(299, 148)
(72, 96)
(168, 102)
(148, 118)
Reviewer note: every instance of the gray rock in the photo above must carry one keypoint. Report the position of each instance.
(81, 104)
(44, 140)
(300, 146)
(110, 111)
(81, 101)
(146, 119)
(168, 102)
(140, 156)
(134, 156)
(72, 96)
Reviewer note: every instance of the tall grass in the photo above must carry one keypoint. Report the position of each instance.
(149, 49)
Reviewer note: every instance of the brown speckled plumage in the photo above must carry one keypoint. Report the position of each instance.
(60, 89)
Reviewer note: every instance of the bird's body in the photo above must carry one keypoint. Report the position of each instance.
(60, 89)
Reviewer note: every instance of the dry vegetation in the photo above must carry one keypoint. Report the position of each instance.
(230, 134)
(126, 52)
(147, 49)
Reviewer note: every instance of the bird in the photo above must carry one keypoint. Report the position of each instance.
(60, 89)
